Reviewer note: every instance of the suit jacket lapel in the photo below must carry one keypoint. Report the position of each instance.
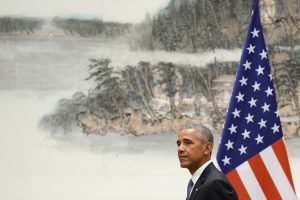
(201, 180)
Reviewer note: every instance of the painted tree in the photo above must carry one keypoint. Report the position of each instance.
(138, 84)
(141, 35)
(286, 77)
(146, 73)
(185, 85)
(167, 80)
(9, 25)
(201, 24)
(108, 92)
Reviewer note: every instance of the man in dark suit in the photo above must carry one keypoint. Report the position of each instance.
(195, 144)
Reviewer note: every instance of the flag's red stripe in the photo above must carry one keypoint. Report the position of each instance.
(280, 151)
(263, 177)
(238, 185)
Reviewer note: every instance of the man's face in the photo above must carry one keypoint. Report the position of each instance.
(193, 151)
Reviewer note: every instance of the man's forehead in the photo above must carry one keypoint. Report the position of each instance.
(189, 133)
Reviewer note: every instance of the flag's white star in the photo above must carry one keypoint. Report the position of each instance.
(243, 81)
(277, 113)
(242, 150)
(251, 49)
(269, 91)
(255, 33)
(246, 134)
(249, 118)
(260, 70)
(275, 128)
(266, 107)
(256, 86)
(270, 75)
(229, 145)
(252, 102)
(262, 123)
(236, 113)
(259, 139)
(247, 65)
(232, 129)
(263, 54)
(240, 97)
(226, 160)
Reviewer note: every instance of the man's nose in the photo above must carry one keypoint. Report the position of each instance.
(180, 148)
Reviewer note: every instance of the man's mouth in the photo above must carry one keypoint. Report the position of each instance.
(182, 157)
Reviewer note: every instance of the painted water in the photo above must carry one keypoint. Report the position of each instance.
(34, 74)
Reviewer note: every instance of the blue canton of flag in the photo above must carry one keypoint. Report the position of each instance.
(252, 121)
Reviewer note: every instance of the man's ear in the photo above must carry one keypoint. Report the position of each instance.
(208, 148)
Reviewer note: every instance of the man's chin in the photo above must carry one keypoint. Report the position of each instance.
(183, 165)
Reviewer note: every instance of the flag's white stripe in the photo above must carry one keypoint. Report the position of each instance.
(276, 172)
(250, 182)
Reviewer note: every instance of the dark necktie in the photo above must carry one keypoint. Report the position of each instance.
(189, 188)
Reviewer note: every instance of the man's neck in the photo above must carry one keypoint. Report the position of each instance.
(199, 171)
(192, 171)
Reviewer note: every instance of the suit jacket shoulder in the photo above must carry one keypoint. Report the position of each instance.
(213, 185)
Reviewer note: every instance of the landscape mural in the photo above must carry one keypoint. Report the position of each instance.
(118, 90)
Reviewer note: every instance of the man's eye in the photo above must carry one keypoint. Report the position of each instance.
(188, 142)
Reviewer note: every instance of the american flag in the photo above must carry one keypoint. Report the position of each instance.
(252, 152)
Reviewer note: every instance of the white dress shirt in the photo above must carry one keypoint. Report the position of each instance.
(198, 173)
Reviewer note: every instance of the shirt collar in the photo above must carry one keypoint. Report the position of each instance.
(199, 171)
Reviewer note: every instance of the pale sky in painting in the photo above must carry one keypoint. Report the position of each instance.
(108, 10)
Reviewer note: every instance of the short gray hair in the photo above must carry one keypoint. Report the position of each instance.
(203, 130)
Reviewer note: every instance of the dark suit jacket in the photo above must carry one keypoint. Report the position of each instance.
(213, 185)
